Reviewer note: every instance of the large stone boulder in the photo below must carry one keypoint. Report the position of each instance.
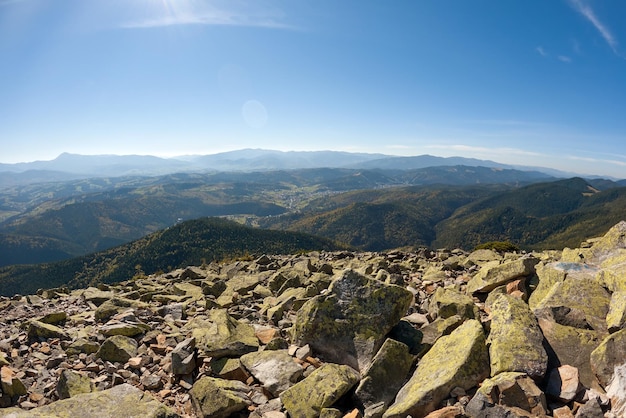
(120, 401)
(72, 383)
(348, 324)
(616, 317)
(118, 348)
(551, 274)
(515, 341)
(572, 346)
(10, 384)
(219, 335)
(494, 275)
(457, 360)
(508, 394)
(219, 398)
(601, 248)
(184, 357)
(610, 354)
(38, 330)
(275, 369)
(582, 292)
(385, 376)
(447, 302)
(319, 390)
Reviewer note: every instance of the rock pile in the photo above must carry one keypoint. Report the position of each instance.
(397, 334)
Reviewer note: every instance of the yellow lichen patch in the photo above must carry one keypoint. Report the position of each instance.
(457, 360)
(515, 340)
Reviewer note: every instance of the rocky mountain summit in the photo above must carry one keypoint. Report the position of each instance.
(435, 334)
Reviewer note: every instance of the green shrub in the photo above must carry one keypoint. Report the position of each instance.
(499, 246)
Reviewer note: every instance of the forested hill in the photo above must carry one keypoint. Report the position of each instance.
(188, 243)
(550, 215)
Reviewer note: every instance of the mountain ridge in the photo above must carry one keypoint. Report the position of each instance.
(241, 160)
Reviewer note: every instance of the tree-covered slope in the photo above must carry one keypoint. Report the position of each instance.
(540, 216)
(188, 243)
(375, 220)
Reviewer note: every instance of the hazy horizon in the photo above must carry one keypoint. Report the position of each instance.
(530, 83)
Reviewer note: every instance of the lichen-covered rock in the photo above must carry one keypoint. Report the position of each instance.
(601, 248)
(609, 354)
(219, 335)
(115, 305)
(82, 345)
(508, 394)
(515, 341)
(189, 290)
(573, 346)
(10, 384)
(219, 398)
(492, 276)
(457, 360)
(385, 376)
(54, 318)
(96, 296)
(482, 256)
(184, 357)
(120, 401)
(118, 348)
(276, 370)
(229, 369)
(582, 292)
(436, 329)
(123, 328)
(407, 334)
(238, 284)
(616, 317)
(564, 315)
(550, 274)
(40, 330)
(319, 390)
(447, 302)
(348, 324)
(72, 383)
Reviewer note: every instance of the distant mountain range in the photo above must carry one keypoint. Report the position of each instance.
(73, 166)
(77, 205)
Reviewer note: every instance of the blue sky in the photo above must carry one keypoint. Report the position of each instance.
(533, 82)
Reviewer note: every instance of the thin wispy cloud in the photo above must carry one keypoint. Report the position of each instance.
(487, 151)
(586, 11)
(596, 160)
(185, 13)
(563, 58)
